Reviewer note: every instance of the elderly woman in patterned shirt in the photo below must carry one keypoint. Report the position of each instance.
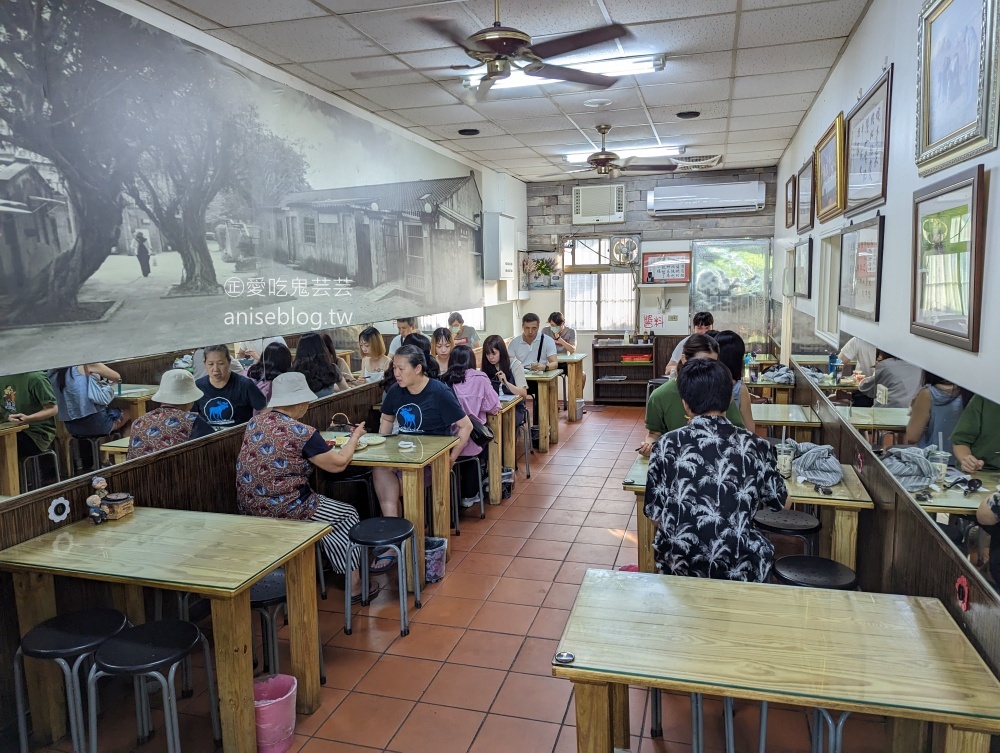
(174, 421)
(706, 482)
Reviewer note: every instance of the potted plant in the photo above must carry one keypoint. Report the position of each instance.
(544, 268)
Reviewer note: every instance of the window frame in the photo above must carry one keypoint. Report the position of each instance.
(827, 326)
(600, 272)
(308, 221)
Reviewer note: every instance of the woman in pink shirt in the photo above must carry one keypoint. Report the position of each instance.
(477, 397)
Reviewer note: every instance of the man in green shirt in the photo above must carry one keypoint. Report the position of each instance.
(29, 399)
(976, 438)
(665, 412)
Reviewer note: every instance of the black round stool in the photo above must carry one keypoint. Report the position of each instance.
(69, 637)
(383, 532)
(814, 572)
(269, 598)
(801, 525)
(144, 652)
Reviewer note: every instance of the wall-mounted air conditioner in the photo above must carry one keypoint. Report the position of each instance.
(705, 198)
(599, 205)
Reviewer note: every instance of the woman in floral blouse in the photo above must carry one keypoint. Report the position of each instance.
(705, 483)
(173, 422)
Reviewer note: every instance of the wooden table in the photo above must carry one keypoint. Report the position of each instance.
(115, 449)
(10, 471)
(780, 393)
(801, 419)
(573, 363)
(635, 481)
(503, 447)
(137, 397)
(954, 502)
(429, 451)
(212, 555)
(876, 419)
(897, 656)
(548, 406)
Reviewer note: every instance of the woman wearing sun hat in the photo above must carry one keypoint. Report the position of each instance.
(272, 472)
(174, 421)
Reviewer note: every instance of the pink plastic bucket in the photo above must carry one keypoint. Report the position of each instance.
(274, 709)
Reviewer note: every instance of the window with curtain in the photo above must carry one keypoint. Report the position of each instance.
(599, 301)
(827, 313)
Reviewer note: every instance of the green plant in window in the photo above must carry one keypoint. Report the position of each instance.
(544, 267)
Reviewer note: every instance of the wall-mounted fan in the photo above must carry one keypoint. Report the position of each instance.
(502, 48)
(624, 251)
(607, 163)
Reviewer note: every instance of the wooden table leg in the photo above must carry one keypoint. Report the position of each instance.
(593, 717)
(645, 531)
(234, 672)
(494, 449)
(573, 387)
(509, 432)
(782, 397)
(553, 389)
(621, 736)
(844, 537)
(10, 474)
(441, 501)
(303, 623)
(947, 739)
(543, 398)
(35, 596)
(907, 735)
(413, 511)
(129, 601)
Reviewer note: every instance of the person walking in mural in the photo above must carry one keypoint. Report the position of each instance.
(142, 252)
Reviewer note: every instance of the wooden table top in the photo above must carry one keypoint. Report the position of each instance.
(849, 493)
(571, 357)
(116, 446)
(954, 502)
(9, 427)
(811, 359)
(542, 376)
(508, 405)
(389, 455)
(784, 415)
(890, 419)
(901, 656)
(635, 479)
(136, 391)
(205, 553)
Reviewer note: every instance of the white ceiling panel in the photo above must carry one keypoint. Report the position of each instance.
(788, 57)
(540, 18)
(774, 120)
(691, 68)
(311, 39)
(522, 108)
(799, 23)
(450, 130)
(183, 14)
(766, 105)
(426, 133)
(359, 100)
(313, 78)
(248, 12)
(682, 94)
(639, 11)
(699, 125)
(756, 147)
(552, 138)
(341, 72)
(761, 134)
(472, 143)
(456, 87)
(792, 82)
(397, 31)
(502, 155)
(688, 36)
(527, 125)
(587, 120)
(242, 43)
(622, 133)
(412, 95)
(708, 110)
(355, 6)
(395, 117)
(555, 151)
(460, 116)
(621, 99)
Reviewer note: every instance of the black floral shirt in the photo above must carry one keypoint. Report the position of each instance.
(705, 483)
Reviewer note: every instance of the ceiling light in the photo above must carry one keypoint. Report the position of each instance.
(646, 151)
(597, 104)
(468, 131)
(688, 114)
(616, 67)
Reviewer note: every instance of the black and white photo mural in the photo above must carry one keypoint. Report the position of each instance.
(156, 195)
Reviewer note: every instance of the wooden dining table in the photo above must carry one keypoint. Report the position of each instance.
(954, 501)
(503, 447)
(876, 418)
(573, 364)
(10, 470)
(902, 657)
(115, 450)
(212, 555)
(548, 406)
(801, 419)
(136, 396)
(427, 451)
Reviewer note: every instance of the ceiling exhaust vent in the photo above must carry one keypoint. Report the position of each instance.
(691, 164)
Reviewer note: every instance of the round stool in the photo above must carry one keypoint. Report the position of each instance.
(269, 598)
(800, 525)
(814, 572)
(382, 532)
(69, 637)
(144, 652)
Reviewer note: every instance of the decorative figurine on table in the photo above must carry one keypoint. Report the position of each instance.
(97, 511)
(100, 486)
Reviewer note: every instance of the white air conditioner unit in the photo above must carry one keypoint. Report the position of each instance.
(599, 205)
(705, 198)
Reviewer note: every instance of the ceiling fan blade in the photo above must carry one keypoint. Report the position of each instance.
(450, 31)
(568, 172)
(579, 40)
(571, 74)
(381, 74)
(650, 168)
(483, 90)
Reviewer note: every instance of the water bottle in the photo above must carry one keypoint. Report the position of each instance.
(832, 364)
(747, 372)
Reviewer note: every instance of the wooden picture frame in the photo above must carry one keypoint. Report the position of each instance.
(861, 268)
(867, 134)
(949, 243)
(831, 183)
(803, 268)
(790, 201)
(804, 191)
(957, 81)
(666, 267)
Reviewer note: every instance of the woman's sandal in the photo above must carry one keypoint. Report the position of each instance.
(373, 591)
(388, 557)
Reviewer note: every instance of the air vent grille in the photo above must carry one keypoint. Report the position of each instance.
(698, 162)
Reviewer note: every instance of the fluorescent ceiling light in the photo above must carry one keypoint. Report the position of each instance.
(616, 67)
(580, 158)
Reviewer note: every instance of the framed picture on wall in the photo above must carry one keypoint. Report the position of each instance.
(831, 187)
(804, 207)
(868, 147)
(803, 268)
(948, 250)
(666, 268)
(790, 201)
(861, 268)
(957, 59)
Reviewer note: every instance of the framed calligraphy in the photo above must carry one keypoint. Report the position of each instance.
(868, 147)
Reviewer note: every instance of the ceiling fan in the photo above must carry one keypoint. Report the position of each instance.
(606, 163)
(503, 49)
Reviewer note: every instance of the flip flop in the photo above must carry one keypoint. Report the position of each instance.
(389, 558)
(372, 593)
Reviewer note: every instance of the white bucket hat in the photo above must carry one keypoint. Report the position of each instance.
(290, 388)
(177, 387)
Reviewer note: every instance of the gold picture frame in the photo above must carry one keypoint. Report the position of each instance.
(831, 178)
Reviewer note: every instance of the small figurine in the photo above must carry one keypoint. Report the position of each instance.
(97, 511)
(100, 486)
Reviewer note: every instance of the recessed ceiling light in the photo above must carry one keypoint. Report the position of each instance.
(688, 114)
(468, 131)
(597, 103)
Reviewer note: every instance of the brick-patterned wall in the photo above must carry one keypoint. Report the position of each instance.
(550, 214)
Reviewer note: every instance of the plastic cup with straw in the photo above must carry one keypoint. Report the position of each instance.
(784, 455)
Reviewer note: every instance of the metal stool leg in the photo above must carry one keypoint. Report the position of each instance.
(697, 724)
(319, 570)
(184, 613)
(169, 709)
(347, 587)
(762, 742)
(416, 572)
(365, 578)
(482, 494)
(93, 677)
(404, 621)
(19, 693)
(727, 714)
(655, 713)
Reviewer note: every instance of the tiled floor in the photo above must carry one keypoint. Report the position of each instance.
(475, 672)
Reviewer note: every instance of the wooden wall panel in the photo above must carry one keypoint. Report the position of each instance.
(663, 346)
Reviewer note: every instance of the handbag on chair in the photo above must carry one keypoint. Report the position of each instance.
(99, 392)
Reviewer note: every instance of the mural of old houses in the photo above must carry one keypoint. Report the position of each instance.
(417, 238)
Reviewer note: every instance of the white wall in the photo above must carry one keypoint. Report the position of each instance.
(889, 30)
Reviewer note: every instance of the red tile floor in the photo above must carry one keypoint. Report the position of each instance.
(474, 674)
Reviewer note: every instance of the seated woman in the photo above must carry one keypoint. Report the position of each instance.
(276, 359)
(229, 399)
(463, 333)
(505, 373)
(374, 360)
(705, 483)
(732, 351)
(477, 397)
(274, 465)
(443, 342)
(345, 368)
(900, 378)
(312, 359)
(665, 409)
(81, 415)
(173, 422)
(935, 411)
